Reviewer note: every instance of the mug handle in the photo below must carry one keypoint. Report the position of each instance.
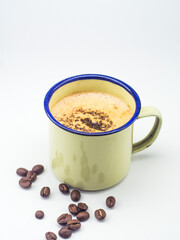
(151, 137)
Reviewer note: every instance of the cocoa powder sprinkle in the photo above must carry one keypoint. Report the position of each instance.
(95, 120)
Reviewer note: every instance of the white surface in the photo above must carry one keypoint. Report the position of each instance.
(43, 42)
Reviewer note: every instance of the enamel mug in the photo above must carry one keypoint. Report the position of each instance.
(94, 161)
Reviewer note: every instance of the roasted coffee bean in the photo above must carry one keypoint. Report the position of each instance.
(82, 207)
(22, 172)
(50, 236)
(38, 169)
(100, 214)
(65, 232)
(63, 188)
(64, 218)
(39, 214)
(75, 195)
(73, 209)
(74, 224)
(110, 201)
(45, 191)
(82, 216)
(25, 182)
(31, 175)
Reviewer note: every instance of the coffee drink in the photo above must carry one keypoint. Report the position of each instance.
(92, 112)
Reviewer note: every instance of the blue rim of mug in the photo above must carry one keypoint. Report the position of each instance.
(129, 89)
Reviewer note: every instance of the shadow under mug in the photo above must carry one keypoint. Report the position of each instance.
(94, 161)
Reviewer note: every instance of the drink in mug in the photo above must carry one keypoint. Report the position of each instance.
(91, 129)
(92, 111)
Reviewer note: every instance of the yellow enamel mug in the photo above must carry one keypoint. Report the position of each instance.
(94, 161)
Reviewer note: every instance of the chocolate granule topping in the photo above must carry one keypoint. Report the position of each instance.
(92, 121)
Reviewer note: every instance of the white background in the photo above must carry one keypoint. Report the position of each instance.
(43, 42)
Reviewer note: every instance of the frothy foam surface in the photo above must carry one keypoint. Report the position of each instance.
(92, 112)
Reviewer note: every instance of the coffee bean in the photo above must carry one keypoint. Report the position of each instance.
(73, 209)
(50, 236)
(64, 218)
(64, 188)
(65, 232)
(74, 224)
(82, 216)
(31, 175)
(45, 191)
(22, 172)
(39, 214)
(75, 195)
(100, 214)
(82, 207)
(38, 169)
(110, 201)
(25, 182)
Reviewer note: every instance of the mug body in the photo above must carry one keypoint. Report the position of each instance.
(91, 161)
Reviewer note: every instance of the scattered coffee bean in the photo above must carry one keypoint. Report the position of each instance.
(50, 236)
(65, 232)
(110, 201)
(100, 214)
(82, 216)
(75, 195)
(74, 224)
(31, 175)
(25, 182)
(73, 209)
(64, 218)
(82, 207)
(45, 191)
(38, 169)
(39, 214)
(22, 172)
(64, 188)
